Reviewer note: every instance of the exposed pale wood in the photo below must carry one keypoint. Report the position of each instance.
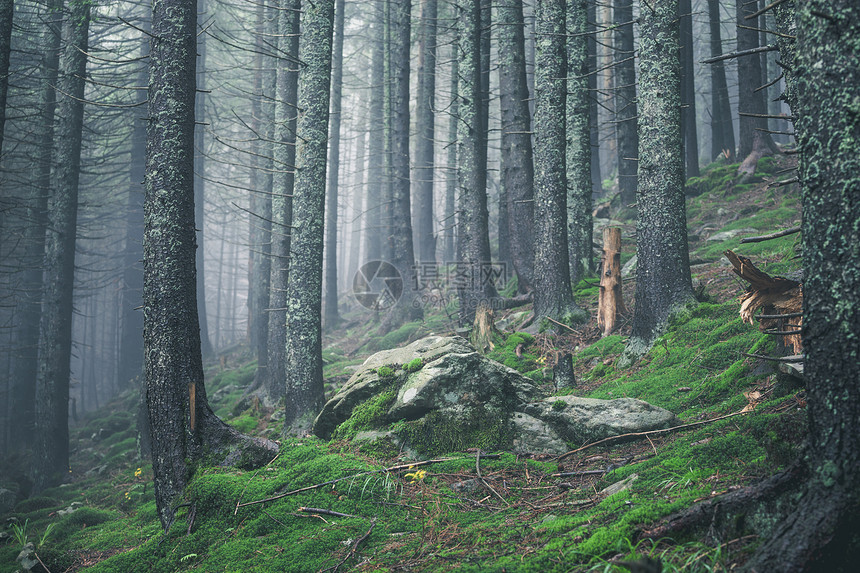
(610, 300)
(774, 296)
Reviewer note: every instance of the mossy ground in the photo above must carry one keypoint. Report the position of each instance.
(519, 516)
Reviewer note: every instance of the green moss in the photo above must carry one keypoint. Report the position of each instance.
(369, 415)
(245, 423)
(559, 405)
(414, 366)
(438, 433)
(385, 372)
(506, 352)
(37, 503)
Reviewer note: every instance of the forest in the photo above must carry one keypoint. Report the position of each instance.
(431, 285)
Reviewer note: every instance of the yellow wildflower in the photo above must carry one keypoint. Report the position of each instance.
(416, 475)
(138, 472)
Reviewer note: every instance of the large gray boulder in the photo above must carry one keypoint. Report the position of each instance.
(584, 420)
(438, 394)
(444, 394)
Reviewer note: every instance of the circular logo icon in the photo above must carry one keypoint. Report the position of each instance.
(377, 285)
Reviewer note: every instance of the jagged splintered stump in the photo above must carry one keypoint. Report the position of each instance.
(779, 298)
(610, 301)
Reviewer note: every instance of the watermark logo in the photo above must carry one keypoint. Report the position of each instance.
(377, 285)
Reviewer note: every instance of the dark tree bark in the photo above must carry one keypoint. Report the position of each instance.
(820, 532)
(283, 179)
(663, 283)
(332, 317)
(473, 239)
(753, 140)
(260, 197)
(373, 227)
(626, 107)
(553, 295)
(594, 130)
(517, 161)
(688, 91)
(304, 289)
(182, 426)
(30, 300)
(579, 224)
(722, 132)
(449, 223)
(7, 10)
(51, 449)
(401, 253)
(131, 336)
(200, 188)
(426, 133)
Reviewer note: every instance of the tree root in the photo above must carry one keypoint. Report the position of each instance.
(755, 509)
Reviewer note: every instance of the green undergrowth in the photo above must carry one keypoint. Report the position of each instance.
(440, 516)
(720, 200)
(696, 365)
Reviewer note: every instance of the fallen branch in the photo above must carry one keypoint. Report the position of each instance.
(793, 358)
(249, 483)
(42, 563)
(319, 511)
(579, 473)
(480, 477)
(648, 433)
(776, 235)
(354, 548)
(560, 324)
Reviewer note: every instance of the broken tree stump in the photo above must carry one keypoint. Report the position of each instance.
(779, 298)
(610, 302)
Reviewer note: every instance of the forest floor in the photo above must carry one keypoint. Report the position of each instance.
(372, 512)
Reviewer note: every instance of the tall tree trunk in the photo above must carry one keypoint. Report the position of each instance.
(51, 459)
(578, 155)
(260, 198)
(820, 531)
(401, 251)
(426, 133)
(182, 426)
(131, 342)
(688, 91)
(200, 186)
(359, 221)
(373, 228)
(7, 10)
(722, 131)
(450, 220)
(283, 184)
(332, 317)
(753, 142)
(30, 299)
(304, 289)
(594, 129)
(517, 162)
(663, 283)
(626, 119)
(473, 239)
(553, 298)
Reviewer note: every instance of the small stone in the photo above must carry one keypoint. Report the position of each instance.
(620, 486)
